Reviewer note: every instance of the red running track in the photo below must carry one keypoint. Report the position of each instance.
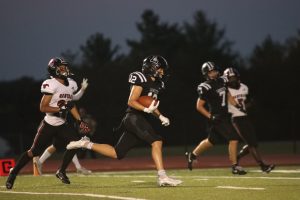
(172, 162)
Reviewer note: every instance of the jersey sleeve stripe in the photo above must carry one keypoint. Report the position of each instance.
(205, 85)
(225, 79)
(141, 76)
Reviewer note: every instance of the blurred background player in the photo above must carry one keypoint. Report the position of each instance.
(136, 125)
(38, 161)
(214, 93)
(56, 103)
(239, 91)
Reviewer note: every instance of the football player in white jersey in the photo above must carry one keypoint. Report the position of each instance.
(39, 160)
(240, 121)
(56, 103)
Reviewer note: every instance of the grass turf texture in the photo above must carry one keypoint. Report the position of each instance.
(283, 183)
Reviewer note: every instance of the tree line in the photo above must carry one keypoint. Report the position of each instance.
(270, 72)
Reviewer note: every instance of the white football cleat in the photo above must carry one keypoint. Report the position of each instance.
(167, 181)
(82, 143)
(83, 171)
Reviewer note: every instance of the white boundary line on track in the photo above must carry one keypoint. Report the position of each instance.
(200, 177)
(101, 175)
(239, 188)
(73, 194)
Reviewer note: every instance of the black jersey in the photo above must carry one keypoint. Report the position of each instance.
(150, 87)
(214, 93)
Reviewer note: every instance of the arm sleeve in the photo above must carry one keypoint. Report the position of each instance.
(137, 78)
(78, 95)
(202, 90)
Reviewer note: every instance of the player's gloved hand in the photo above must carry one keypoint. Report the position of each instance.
(164, 120)
(152, 107)
(83, 127)
(84, 83)
(65, 108)
(240, 108)
(215, 118)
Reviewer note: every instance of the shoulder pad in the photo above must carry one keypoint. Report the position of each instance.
(245, 88)
(48, 86)
(137, 78)
(73, 84)
(224, 79)
(204, 85)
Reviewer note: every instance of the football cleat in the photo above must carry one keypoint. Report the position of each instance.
(83, 171)
(167, 181)
(37, 164)
(62, 176)
(82, 143)
(267, 168)
(190, 160)
(238, 170)
(10, 180)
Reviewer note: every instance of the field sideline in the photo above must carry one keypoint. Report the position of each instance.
(216, 183)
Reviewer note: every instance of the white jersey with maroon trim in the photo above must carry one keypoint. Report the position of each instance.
(60, 94)
(240, 96)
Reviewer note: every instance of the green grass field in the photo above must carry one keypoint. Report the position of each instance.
(283, 183)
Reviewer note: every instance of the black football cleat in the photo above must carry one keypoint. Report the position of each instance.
(62, 176)
(267, 168)
(10, 181)
(190, 159)
(238, 170)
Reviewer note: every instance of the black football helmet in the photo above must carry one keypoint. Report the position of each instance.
(207, 67)
(233, 77)
(154, 62)
(55, 70)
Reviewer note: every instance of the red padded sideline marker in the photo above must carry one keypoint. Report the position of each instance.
(5, 165)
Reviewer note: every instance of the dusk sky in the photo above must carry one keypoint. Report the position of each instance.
(33, 31)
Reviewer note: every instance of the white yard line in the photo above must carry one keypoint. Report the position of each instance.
(138, 181)
(239, 188)
(73, 194)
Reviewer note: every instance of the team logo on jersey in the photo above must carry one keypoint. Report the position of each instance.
(45, 85)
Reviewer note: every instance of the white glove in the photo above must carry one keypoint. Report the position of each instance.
(84, 83)
(152, 107)
(164, 120)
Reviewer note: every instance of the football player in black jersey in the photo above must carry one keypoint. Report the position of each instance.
(136, 124)
(214, 93)
(239, 91)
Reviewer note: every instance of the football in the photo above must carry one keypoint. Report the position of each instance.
(146, 101)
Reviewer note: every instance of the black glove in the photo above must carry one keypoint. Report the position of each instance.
(83, 127)
(215, 118)
(64, 109)
(241, 108)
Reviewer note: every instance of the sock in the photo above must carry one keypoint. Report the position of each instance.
(44, 156)
(68, 156)
(193, 156)
(261, 163)
(24, 159)
(76, 162)
(161, 173)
